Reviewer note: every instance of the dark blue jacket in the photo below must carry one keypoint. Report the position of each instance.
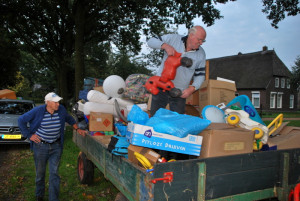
(34, 117)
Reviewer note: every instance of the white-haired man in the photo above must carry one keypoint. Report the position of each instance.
(189, 46)
(46, 134)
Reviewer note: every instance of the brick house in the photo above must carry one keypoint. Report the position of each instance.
(262, 76)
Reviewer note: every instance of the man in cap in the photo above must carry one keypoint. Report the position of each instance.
(46, 133)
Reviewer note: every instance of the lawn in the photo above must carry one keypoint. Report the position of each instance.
(286, 116)
(21, 184)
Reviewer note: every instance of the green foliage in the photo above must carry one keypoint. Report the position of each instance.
(9, 58)
(277, 10)
(295, 79)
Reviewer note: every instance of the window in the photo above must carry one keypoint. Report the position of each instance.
(256, 99)
(288, 84)
(279, 100)
(292, 101)
(276, 82)
(272, 99)
(282, 82)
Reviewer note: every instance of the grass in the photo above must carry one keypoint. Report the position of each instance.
(70, 189)
(285, 116)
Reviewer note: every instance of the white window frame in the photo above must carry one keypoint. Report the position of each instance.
(292, 98)
(276, 82)
(282, 83)
(254, 94)
(288, 83)
(273, 100)
(279, 100)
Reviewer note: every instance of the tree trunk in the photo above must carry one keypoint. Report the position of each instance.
(79, 48)
(62, 83)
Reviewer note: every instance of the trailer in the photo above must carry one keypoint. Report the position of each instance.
(263, 175)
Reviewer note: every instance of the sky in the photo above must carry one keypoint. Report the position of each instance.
(245, 28)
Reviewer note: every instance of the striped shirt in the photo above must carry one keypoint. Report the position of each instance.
(49, 129)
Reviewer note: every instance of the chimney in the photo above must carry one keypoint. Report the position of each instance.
(265, 48)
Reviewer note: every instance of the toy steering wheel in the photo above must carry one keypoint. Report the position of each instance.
(249, 110)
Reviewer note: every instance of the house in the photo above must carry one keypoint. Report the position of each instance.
(262, 76)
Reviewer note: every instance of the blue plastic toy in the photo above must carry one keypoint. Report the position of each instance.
(247, 106)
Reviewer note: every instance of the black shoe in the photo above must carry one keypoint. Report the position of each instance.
(39, 198)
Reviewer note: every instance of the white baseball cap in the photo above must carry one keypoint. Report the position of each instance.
(52, 97)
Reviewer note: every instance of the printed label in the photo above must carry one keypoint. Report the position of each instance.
(148, 133)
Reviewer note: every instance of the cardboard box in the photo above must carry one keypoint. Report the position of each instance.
(220, 139)
(288, 138)
(193, 99)
(99, 89)
(145, 136)
(214, 92)
(7, 94)
(99, 121)
(151, 155)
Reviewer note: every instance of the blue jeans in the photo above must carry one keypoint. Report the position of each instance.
(43, 154)
(162, 99)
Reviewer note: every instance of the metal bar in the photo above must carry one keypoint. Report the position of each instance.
(201, 181)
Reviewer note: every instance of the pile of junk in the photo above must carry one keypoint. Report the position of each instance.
(118, 110)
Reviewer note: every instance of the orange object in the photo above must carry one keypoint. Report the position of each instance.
(169, 72)
(7, 94)
(295, 193)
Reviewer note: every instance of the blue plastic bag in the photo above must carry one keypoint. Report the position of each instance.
(118, 146)
(179, 125)
(137, 115)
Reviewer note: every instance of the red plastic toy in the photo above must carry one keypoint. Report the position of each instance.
(169, 72)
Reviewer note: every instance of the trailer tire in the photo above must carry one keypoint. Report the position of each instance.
(85, 169)
(120, 197)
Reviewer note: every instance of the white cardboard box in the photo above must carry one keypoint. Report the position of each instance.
(145, 136)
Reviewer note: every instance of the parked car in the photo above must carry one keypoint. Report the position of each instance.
(10, 110)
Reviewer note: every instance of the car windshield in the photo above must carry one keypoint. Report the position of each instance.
(15, 107)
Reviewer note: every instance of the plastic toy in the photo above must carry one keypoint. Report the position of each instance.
(169, 72)
(247, 106)
(242, 119)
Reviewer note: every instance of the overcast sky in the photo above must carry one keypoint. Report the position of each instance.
(245, 28)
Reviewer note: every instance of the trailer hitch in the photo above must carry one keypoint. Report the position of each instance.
(168, 177)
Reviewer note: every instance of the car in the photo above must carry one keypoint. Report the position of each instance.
(10, 111)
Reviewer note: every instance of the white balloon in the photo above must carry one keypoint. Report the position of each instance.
(114, 86)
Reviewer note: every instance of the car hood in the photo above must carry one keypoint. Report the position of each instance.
(9, 120)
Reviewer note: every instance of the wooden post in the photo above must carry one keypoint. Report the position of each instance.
(207, 70)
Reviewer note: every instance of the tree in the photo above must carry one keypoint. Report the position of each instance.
(295, 79)
(9, 59)
(277, 10)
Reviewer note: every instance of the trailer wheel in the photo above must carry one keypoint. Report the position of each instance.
(85, 169)
(120, 197)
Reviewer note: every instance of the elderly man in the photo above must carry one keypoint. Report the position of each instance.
(189, 46)
(46, 132)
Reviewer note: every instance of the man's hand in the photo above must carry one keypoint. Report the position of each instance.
(35, 138)
(82, 132)
(169, 49)
(187, 92)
